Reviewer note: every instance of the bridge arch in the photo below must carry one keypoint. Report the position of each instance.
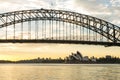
(104, 28)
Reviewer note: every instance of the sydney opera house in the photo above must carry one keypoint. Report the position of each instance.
(78, 57)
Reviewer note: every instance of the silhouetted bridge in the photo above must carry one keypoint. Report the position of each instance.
(56, 26)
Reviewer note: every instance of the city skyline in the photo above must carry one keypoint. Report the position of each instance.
(105, 9)
(23, 51)
(76, 57)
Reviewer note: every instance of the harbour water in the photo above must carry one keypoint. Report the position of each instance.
(59, 71)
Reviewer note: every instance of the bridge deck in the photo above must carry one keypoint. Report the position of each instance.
(60, 41)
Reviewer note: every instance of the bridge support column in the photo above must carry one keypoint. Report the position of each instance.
(114, 34)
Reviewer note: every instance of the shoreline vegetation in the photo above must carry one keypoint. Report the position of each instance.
(102, 60)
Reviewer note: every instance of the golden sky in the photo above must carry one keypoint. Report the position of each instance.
(28, 51)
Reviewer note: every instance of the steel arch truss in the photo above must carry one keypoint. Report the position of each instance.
(104, 28)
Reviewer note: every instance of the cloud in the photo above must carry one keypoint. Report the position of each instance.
(14, 5)
(104, 9)
(8, 5)
(115, 3)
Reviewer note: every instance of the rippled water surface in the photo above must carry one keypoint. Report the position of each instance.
(59, 71)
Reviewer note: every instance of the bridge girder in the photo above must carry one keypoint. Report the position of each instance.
(104, 28)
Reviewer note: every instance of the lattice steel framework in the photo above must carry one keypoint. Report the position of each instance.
(99, 26)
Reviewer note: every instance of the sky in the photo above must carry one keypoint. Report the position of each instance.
(104, 9)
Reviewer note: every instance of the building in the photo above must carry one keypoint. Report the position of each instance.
(93, 59)
(75, 57)
(78, 57)
(108, 56)
(86, 58)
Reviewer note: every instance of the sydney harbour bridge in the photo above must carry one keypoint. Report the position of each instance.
(56, 26)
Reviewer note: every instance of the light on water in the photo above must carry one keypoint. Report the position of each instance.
(59, 71)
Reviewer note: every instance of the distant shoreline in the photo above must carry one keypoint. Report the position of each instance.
(68, 60)
(59, 63)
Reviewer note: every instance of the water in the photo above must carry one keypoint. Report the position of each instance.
(59, 71)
